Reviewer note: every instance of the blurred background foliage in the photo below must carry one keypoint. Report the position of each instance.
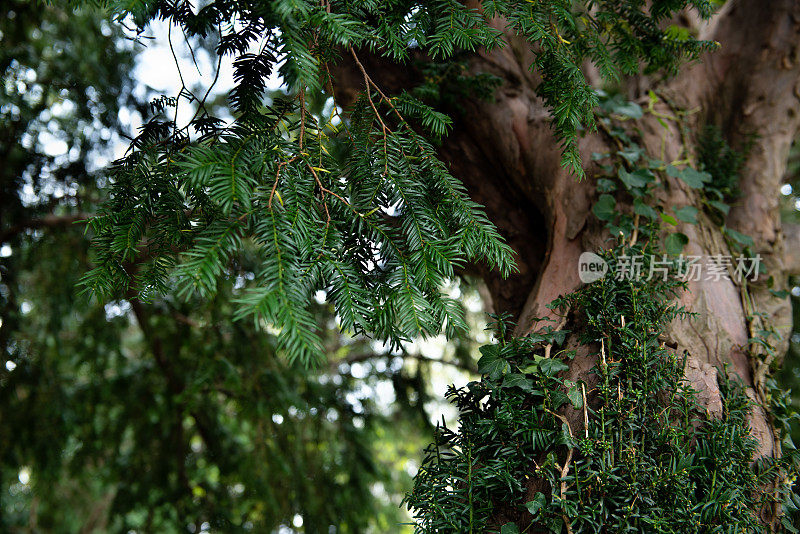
(166, 416)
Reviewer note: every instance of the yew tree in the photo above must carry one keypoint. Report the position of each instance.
(504, 139)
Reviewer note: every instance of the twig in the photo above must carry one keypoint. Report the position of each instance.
(302, 96)
(335, 110)
(585, 412)
(603, 352)
(565, 468)
(323, 188)
(367, 82)
(277, 175)
(635, 231)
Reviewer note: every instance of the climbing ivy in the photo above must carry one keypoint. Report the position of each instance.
(650, 459)
(631, 449)
(722, 162)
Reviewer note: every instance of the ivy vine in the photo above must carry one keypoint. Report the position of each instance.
(632, 449)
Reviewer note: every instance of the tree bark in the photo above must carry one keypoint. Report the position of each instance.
(505, 153)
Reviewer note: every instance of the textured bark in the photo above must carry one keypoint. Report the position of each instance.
(505, 153)
(791, 246)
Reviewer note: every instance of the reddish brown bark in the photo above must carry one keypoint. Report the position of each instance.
(505, 153)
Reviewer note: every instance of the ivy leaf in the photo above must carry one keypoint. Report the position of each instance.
(693, 178)
(559, 336)
(674, 243)
(539, 501)
(637, 178)
(509, 528)
(532, 368)
(604, 185)
(686, 214)
(739, 237)
(644, 210)
(721, 206)
(551, 366)
(631, 110)
(631, 154)
(518, 380)
(491, 363)
(604, 208)
(668, 219)
(574, 394)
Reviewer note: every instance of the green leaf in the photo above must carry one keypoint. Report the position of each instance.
(509, 528)
(686, 214)
(739, 237)
(604, 185)
(721, 206)
(551, 366)
(668, 219)
(491, 363)
(675, 242)
(631, 110)
(517, 380)
(539, 501)
(693, 178)
(574, 394)
(631, 154)
(618, 230)
(637, 178)
(678, 33)
(643, 209)
(604, 208)
(559, 336)
(787, 524)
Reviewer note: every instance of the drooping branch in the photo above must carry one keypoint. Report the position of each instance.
(508, 144)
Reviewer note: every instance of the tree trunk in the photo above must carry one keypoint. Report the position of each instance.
(505, 153)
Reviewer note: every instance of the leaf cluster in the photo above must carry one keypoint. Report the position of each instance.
(651, 459)
(648, 457)
(360, 208)
(379, 224)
